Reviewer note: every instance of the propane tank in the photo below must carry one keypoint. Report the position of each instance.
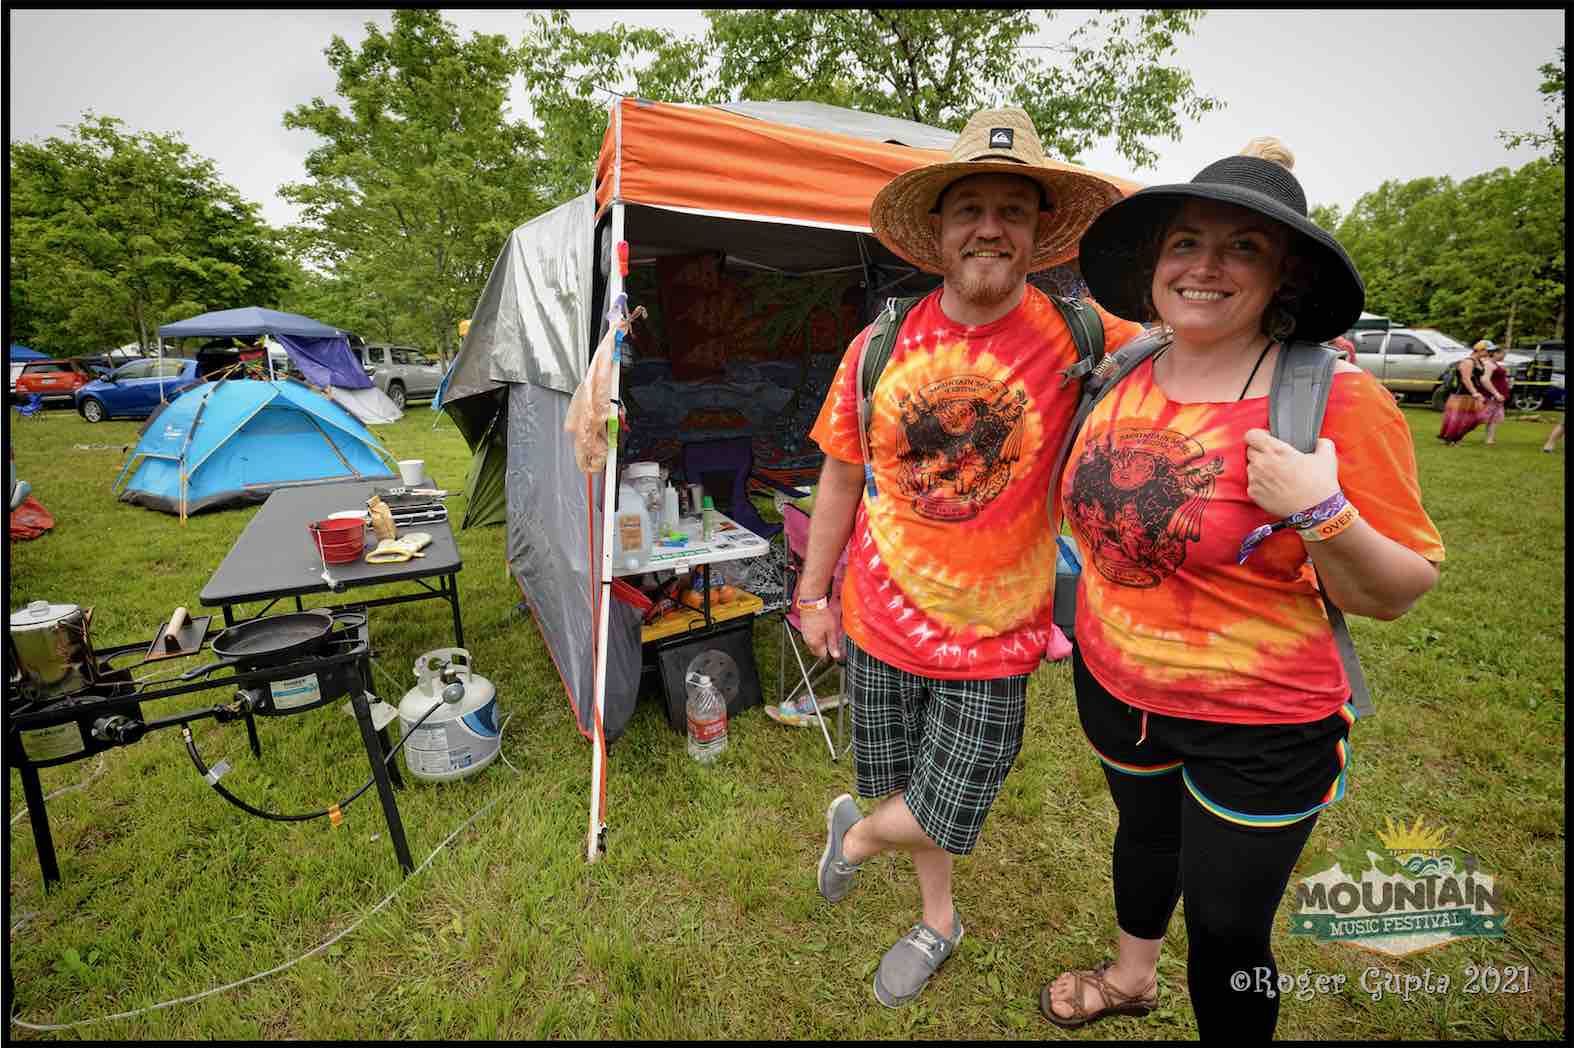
(460, 736)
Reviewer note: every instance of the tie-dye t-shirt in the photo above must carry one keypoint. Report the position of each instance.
(1155, 492)
(951, 567)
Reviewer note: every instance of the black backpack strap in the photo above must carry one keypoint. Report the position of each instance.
(1087, 331)
(1297, 401)
(876, 354)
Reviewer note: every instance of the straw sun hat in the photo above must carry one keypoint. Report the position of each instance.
(995, 141)
(1117, 250)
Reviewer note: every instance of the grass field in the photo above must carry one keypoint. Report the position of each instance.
(702, 921)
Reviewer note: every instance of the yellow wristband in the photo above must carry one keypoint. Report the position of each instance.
(1332, 526)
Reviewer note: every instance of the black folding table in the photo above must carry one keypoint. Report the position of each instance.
(275, 557)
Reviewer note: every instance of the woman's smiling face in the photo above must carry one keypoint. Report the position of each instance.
(1219, 267)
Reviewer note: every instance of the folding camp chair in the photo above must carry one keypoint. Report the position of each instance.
(32, 407)
(795, 523)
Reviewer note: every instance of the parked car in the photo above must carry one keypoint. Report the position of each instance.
(1538, 381)
(53, 379)
(402, 372)
(133, 390)
(1412, 362)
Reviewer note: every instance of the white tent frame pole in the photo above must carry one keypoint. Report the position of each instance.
(595, 838)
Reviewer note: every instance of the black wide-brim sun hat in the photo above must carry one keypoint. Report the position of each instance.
(1116, 254)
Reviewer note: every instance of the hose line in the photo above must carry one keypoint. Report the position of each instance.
(213, 780)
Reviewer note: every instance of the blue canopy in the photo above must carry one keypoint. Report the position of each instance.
(247, 322)
(17, 351)
(321, 352)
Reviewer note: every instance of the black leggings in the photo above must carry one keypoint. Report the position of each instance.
(1233, 879)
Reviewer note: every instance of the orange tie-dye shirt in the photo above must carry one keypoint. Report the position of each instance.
(1155, 491)
(951, 567)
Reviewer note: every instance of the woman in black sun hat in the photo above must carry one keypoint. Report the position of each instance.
(1207, 678)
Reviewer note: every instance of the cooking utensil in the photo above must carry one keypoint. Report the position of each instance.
(268, 641)
(53, 649)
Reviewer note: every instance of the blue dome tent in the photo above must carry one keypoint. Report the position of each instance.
(231, 442)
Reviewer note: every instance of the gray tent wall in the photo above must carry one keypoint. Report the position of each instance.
(527, 349)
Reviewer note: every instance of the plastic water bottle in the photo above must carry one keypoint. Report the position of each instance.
(707, 715)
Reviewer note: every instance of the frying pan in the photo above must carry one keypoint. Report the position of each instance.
(268, 641)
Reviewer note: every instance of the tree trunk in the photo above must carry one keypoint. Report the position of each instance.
(1508, 336)
(1557, 332)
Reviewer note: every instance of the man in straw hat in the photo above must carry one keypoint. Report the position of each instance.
(948, 594)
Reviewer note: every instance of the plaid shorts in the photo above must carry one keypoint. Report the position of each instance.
(947, 743)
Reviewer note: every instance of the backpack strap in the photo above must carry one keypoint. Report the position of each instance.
(1298, 395)
(1087, 331)
(1297, 401)
(872, 359)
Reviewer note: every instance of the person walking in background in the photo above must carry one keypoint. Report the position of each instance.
(1207, 677)
(1553, 438)
(1495, 382)
(947, 600)
(1462, 411)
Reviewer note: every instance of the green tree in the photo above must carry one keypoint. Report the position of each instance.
(571, 75)
(113, 234)
(939, 66)
(1483, 258)
(1552, 140)
(934, 66)
(419, 179)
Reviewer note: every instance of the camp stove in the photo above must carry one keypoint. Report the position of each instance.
(113, 711)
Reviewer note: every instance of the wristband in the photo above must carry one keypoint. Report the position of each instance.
(1331, 527)
(813, 605)
(1306, 520)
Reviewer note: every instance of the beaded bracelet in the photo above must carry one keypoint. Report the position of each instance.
(1324, 512)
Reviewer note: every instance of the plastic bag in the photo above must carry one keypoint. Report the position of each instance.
(590, 408)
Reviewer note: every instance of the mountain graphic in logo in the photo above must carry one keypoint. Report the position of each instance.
(1001, 137)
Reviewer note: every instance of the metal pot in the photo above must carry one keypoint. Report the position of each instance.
(54, 654)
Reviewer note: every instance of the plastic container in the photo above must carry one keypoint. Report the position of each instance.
(457, 738)
(708, 528)
(707, 716)
(645, 477)
(633, 530)
(669, 510)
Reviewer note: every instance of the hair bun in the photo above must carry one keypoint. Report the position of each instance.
(1269, 148)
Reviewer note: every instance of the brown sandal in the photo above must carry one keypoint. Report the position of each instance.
(1115, 1002)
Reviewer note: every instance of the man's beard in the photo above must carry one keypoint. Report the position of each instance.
(986, 289)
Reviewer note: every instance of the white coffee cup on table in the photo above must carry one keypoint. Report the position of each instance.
(411, 471)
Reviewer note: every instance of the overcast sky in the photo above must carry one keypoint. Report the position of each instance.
(1361, 97)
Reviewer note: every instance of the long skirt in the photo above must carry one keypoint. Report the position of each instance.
(1461, 414)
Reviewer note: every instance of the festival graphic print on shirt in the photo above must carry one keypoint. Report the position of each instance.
(957, 441)
(1139, 496)
(951, 565)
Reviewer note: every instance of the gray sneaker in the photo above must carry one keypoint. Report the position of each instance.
(836, 873)
(907, 966)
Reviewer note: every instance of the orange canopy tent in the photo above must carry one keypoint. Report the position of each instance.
(721, 161)
(775, 187)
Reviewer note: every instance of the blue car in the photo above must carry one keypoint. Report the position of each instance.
(133, 390)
